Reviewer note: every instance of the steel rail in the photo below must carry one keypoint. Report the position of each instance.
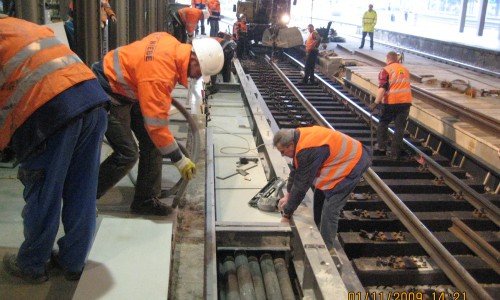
(476, 243)
(445, 260)
(474, 198)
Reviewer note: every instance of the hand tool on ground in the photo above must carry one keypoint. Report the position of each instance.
(242, 170)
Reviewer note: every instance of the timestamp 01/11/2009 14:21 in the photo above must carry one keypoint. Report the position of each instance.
(406, 295)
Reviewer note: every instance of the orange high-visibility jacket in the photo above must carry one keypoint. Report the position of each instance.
(198, 3)
(345, 153)
(147, 71)
(239, 27)
(190, 17)
(312, 41)
(214, 8)
(399, 84)
(35, 67)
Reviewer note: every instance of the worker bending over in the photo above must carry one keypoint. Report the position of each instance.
(331, 161)
(52, 115)
(394, 93)
(146, 72)
(185, 21)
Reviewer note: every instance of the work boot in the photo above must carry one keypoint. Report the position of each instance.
(68, 275)
(151, 206)
(11, 267)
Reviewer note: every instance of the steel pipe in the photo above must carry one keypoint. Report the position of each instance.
(271, 282)
(247, 291)
(284, 279)
(230, 278)
(258, 283)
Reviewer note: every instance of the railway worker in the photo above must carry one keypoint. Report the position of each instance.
(213, 19)
(240, 32)
(369, 22)
(201, 5)
(394, 93)
(312, 44)
(185, 21)
(140, 77)
(52, 115)
(329, 159)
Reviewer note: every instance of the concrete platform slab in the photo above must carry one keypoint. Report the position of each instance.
(232, 206)
(243, 144)
(230, 124)
(130, 259)
(227, 165)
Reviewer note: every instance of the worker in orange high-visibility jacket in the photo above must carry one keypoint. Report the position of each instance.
(140, 78)
(240, 35)
(214, 18)
(331, 161)
(312, 45)
(52, 115)
(202, 6)
(394, 93)
(185, 21)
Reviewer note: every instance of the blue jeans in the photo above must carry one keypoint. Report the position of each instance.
(65, 168)
(327, 212)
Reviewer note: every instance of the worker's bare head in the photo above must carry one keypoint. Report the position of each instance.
(283, 141)
(194, 69)
(370, 7)
(310, 27)
(391, 57)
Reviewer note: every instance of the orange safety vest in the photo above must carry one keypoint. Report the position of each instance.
(312, 41)
(36, 67)
(214, 7)
(345, 153)
(399, 84)
(147, 71)
(190, 17)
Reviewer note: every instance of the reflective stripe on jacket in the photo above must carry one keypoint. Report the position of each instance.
(190, 17)
(399, 84)
(369, 21)
(36, 67)
(345, 153)
(147, 71)
(312, 41)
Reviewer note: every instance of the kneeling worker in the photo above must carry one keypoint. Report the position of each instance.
(328, 159)
(146, 72)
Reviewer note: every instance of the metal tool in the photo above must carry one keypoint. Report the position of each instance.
(242, 170)
(267, 198)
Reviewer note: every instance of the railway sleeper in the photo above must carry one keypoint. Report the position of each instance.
(371, 272)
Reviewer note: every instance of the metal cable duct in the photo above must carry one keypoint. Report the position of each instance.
(454, 270)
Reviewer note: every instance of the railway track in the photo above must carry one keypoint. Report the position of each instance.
(395, 229)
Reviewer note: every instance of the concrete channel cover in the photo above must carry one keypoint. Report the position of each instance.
(242, 141)
(232, 206)
(123, 250)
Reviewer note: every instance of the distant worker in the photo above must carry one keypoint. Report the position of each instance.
(145, 72)
(52, 115)
(328, 159)
(213, 19)
(369, 22)
(312, 44)
(201, 5)
(240, 32)
(185, 21)
(394, 93)
(228, 47)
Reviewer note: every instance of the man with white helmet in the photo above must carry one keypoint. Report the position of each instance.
(144, 73)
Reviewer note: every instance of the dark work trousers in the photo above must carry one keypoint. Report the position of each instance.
(397, 113)
(201, 7)
(363, 39)
(242, 50)
(65, 169)
(122, 122)
(328, 204)
(214, 26)
(309, 67)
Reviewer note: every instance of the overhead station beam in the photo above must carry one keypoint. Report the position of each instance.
(482, 17)
(87, 30)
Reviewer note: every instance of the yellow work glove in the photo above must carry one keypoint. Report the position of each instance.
(186, 167)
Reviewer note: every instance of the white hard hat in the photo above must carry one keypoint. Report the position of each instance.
(210, 55)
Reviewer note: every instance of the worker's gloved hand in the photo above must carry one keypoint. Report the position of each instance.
(373, 106)
(186, 167)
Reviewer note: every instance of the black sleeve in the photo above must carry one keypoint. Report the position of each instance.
(309, 162)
